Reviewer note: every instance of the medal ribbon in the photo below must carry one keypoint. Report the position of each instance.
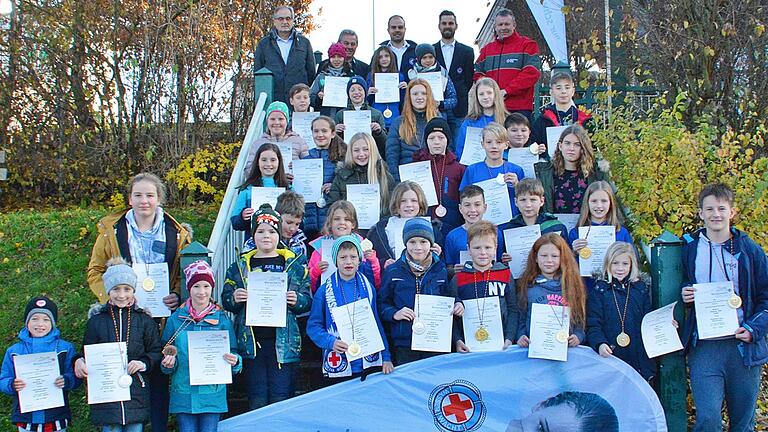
(622, 317)
(481, 310)
(117, 333)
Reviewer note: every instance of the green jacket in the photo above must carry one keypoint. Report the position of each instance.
(545, 172)
(351, 176)
(288, 338)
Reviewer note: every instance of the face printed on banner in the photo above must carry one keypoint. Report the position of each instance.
(290, 225)
(322, 133)
(418, 248)
(337, 61)
(562, 91)
(482, 249)
(360, 152)
(548, 260)
(437, 143)
(560, 418)
(570, 147)
(121, 295)
(485, 95)
(300, 101)
(518, 135)
(569, 412)
(473, 208)
(418, 96)
(716, 213)
(347, 261)
(409, 205)
(276, 124)
(529, 205)
(266, 238)
(621, 266)
(357, 94)
(268, 163)
(200, 293)
(39, 325)
(144, 198)
(384, 59)
(341, 224)
(599, 206)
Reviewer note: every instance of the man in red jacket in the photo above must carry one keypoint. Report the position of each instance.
(513, 61)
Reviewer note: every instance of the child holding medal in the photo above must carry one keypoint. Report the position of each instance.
(384, 61)
(346, 286)
(484, 278)
(446, 173)
(486, 106)
(615, 310)
(121, 320)
(726, 368)
(418, 271)
(551, 277)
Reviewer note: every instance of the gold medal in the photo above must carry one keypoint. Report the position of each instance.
(354, 349)
(440, 211)
(387, 113)
(418, 327)
(734, 301)
(481, 334)
(562, 336)
(148, 284)
(170, 350)
(622, 339)
(585, 252)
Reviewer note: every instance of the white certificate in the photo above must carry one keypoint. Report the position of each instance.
(436, 312)
(106, 363)
(421, 173)
(518, 242)
(286, 152)
(388, 86)
(335, 92)
(435, 80)
(489, 309)
(473, 147)
(464, 257)
(301, 123)
(326, 254)
(38, 371)
(308, 179)
(365, 331)
(265, 195)
(570, 220)
(266, 305)
(396, 225)
(546, 322)
(366, 199)
(524, 159)
(149, 295)
(497, 197)
(599, 239)
(714, 317)
(356, 121)
(553, 136)
(659, 335)
(206, 357)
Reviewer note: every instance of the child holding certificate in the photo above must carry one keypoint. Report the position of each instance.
(40, 335)
(384, 61)
(336, 66)
(197, 408)
(615, 310)
(341, 221)
(269, 354)
(121, 320)
(418, 271)
(519, 131)
(495, 142)
(562, 111)
(725, 368)
(483, 278)
(331, 149)
(345, 287)
(551, 277)
(529, 198)
(446, 173)
(267, 171)
(597, 209)
(357, 90)
(486, 105)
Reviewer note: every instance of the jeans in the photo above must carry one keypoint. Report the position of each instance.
(205, 422)
(133, 427)
(159, 397)
(266, 382)
(717, 373)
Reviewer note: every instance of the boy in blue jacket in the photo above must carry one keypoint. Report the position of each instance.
(725, 368)
(40, 335)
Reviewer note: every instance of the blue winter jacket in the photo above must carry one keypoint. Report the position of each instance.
(398, 290)
(753, 290)
(314, 216)
(27, 344)
(197, 399)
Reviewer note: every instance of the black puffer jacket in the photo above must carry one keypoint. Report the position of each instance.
(143, 345)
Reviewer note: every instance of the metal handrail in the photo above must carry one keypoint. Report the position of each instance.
(226, 242)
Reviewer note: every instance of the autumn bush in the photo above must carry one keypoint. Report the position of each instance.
(204, 174)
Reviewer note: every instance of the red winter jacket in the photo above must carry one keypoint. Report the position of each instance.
(514, 63)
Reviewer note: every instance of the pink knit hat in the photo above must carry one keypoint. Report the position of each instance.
(337, 49)
(199, 271)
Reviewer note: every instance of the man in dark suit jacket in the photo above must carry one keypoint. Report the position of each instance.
(349, 39)
(460, 65)
(405, 50)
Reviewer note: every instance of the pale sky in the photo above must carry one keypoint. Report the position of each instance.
(421, 18)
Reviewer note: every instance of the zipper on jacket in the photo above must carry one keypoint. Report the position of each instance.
(120, 336)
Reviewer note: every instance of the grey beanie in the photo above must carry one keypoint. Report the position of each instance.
(118, 273)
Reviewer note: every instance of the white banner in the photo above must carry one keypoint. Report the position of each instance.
(549, 16)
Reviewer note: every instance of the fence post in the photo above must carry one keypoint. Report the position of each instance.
(3, 171)
(263, 81)
(194, 252)
(666, 279)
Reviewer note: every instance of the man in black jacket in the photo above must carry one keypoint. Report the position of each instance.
(459, 60)
(349, 39)
(286, 53)
(405, 50)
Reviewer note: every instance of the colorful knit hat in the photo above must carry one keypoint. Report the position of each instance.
(199, 271)
(266, 215)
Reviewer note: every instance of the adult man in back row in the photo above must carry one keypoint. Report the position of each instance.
(405, 50)
(513, 61)
(286, 53)
(459, 60)
(348, 38)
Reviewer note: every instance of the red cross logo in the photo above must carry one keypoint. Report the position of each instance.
(334, 359)
(458, 407)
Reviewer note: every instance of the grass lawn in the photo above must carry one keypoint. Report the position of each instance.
(47, 252)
